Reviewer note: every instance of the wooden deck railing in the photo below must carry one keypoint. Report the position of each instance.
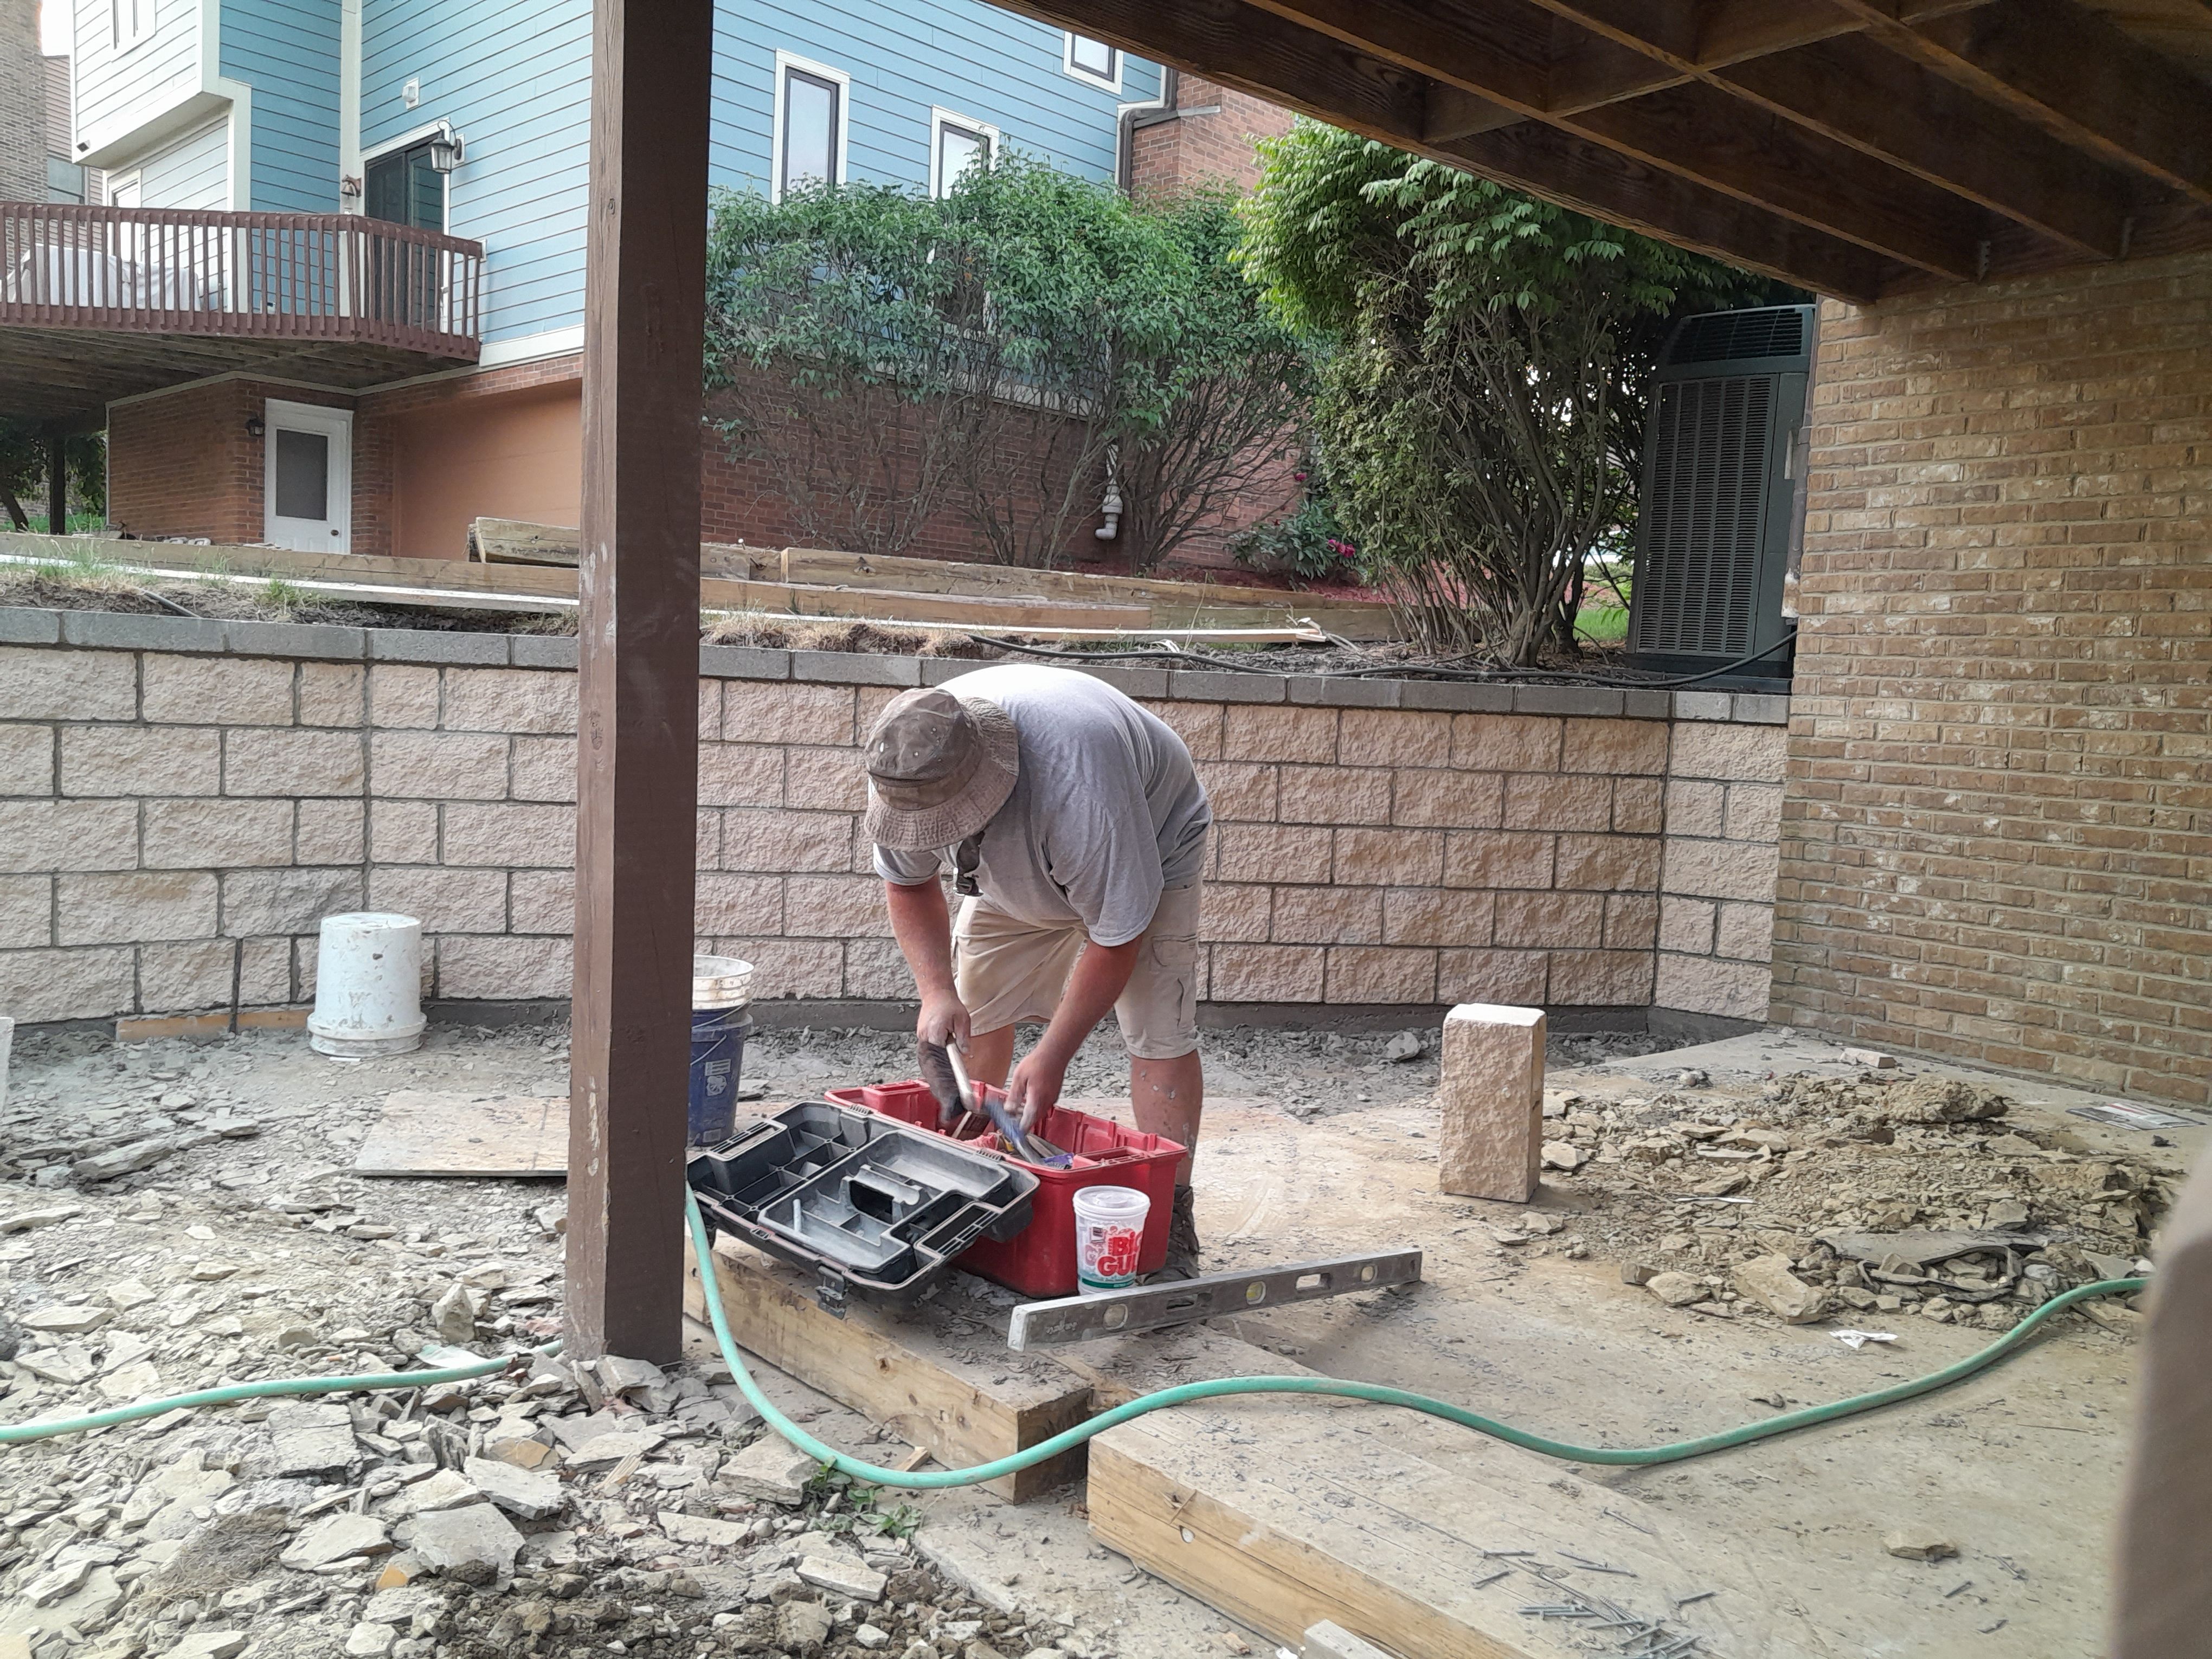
(268, 276)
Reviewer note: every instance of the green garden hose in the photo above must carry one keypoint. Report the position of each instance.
(935, 1479)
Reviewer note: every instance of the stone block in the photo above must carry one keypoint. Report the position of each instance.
(1754, 811)
(437, 645)
(1588, 700)
(1631, 921)
(755, 711)
(1704, 985)
(1374, 737)
(511, 834)
(1234, 912)
(186, 977)
(1268, 732)
(264, 972)
(1343, 693)
(543, 651)
(1746, 932)
(1614, 747)
(1199, 725)
(1269, 973)
(216, 691)
(543, 769)
(707, 838)
(1239, 791)
(1334, 794)
(292, 762)
(111, 630)
(1201, 686)
(824, 780)
(1720, 869)
(27, 625)
(93, 984)
(1608, 979)
(1608, 863)
(1534, 801)
(875, 972)
(1390, 857)
(493, 968)
(1729, 752)
(256, 902)
(134, 905)
(438, 765)
(1761, 707)
(402, 697)
(748, 904)
(1687, 925)
(1272, 852)
(206, 835)
(27, 912)
(1327, 915)
(1450, 916)
(1492, 1093)
(1459, 696)
(1702, 706)
(1472, 975)
(749, 773)
(541, 902)
(1495, 858)
(331, 832)
(1639, 805)
(140, 760)
(402, 832)
(1448, 800)
(787, 841)
(710, 711)
(444, 899)
(275, 638)
(27, 760)
(510, 700)
(784, 968)
(1695, 808)
(1359, 973)
(73, 685)
(855, 668)
(1505, 742)
(1548, 920)
(332, 694)
(741, 662)
(38, 835)
(831, 907)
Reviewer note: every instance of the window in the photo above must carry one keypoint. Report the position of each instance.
(123, 191)
(810, 124)
(1087, 59)
(402, 188)
(956, 144)
(65, 179)
(130, 21)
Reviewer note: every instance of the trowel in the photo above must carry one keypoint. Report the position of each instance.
(948, 1080)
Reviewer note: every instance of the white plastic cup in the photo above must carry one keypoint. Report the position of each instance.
(1109, 1237)
(369, 986)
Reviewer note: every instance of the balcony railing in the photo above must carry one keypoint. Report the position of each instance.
(306, 277)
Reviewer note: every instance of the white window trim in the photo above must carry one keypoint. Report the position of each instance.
(408, 140)
(338, 424)
(1068, 65)
(786, 61)
(939, 120)
(146, 11)
(120, 182)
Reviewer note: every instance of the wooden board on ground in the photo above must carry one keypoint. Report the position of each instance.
(941, 1378)
(423, 1133)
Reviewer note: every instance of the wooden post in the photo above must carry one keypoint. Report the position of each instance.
(57, 481)
(638, 671)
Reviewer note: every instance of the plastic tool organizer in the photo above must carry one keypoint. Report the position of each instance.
(870, 1207)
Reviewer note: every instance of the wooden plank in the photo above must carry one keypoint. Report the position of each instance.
(518, 541)
(427, 1132)
(716, 592)
(941, 1377)
(187, 558)
(637, 767)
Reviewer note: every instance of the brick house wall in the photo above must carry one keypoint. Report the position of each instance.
(181, 802)
(1998, 836)
(182, 464)
(22, 104)
(1207, 140)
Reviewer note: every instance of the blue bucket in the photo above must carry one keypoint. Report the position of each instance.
(718, 1054)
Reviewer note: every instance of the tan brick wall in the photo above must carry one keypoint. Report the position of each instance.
(151, 802)
(1717, 881)
(1998, 829)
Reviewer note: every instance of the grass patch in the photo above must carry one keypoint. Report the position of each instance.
(1602, 623)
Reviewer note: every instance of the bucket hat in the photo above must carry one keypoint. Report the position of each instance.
(938, 767)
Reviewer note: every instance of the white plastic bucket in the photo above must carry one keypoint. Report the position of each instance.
(720, 981)
(369, 986)
(1109, 1237)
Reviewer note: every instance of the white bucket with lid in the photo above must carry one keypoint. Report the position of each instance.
(720, 981)
(1109, 1237)
(369, 986)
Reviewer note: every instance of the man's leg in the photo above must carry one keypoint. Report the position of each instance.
(990, 1056)
(1167, 1096)
(1158, 1014)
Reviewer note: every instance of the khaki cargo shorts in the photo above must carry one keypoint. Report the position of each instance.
(1007, 970)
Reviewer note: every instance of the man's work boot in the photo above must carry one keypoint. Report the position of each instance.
(1182, 1236)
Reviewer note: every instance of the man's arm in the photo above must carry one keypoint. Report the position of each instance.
(1102, 972)
(923, 927)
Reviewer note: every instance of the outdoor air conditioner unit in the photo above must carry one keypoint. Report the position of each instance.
(1722, 499)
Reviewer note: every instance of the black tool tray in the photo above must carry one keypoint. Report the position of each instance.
(871, 1205)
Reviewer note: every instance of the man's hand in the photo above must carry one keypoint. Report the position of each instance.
(1034, 1089)
(943, 1019)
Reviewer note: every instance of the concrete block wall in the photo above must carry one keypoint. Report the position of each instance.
(180, 802)
(1998, 831)
(1717, 880)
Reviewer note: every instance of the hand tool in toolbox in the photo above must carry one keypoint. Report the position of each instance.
(1181, 1302)
(981, 1100)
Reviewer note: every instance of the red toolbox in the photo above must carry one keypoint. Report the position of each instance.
(1040, 1260)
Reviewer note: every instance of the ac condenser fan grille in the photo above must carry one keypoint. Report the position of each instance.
(1703, 516)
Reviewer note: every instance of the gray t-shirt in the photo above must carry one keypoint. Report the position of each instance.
(1108, 810)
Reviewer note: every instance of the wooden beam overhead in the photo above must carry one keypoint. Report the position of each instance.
(2074, 73)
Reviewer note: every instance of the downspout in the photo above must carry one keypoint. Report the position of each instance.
(350, 194)
(1125, 179)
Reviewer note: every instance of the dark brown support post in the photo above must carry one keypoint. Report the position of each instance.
(638, 670)
(57, 483)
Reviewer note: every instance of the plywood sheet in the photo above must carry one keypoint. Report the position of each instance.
(419, 1132)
